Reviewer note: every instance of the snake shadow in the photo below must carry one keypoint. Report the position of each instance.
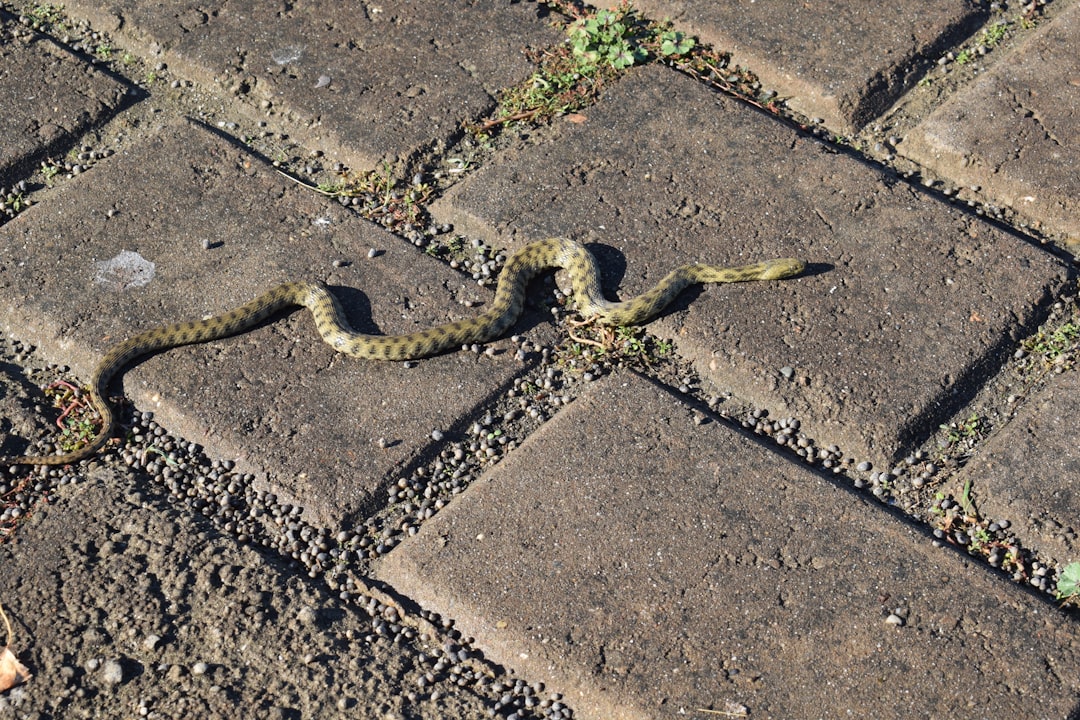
(357, 308)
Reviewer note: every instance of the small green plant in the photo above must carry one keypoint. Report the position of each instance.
(964, 431)
(376, 194)
(155, 450)
(47, 18)
(966, 502)
(78, 421)
(987, 40)
(1068, 584)
(630, 339)
(1063, 339)
(599, 45)
(49, 170)
(994, 34)
(591, 346)
(331, 189)
(608, 37)
(980, 539)
(457, 166)
(46, 13)
(451, 250)
(674, 43)
(14, 201)
(104, 51)
(632, 343)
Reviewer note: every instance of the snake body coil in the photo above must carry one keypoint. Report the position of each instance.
(522, 266)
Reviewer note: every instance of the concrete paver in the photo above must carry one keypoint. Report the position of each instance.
(49, 98)
(648, 566)
(1011, 131)
(908, 302)
(1029, 472)
(644, 563)
(382, 80)
(844, 62)
(278, 398)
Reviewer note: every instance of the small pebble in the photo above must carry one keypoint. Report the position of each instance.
(112, 672)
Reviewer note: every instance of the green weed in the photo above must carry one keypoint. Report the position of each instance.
(987, 40)
(49, 171)
(965, 431)
(1068, 584)
(992, 35)
(1053, 346)
(599, 45)
(14, 201)
(376, 194)
(609, 37)
(591, 343)
(47, 18)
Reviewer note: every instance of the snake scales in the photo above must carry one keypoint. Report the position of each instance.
(522, 266)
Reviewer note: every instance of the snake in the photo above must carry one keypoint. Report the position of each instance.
(524, 264)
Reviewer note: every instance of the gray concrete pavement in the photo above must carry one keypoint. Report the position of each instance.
(66, 99)
(1025, 162)
(544, 545)
(262, 230)
(659, 566)
(839, 62)
(906, 297)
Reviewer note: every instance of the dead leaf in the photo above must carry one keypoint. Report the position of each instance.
(576, 118)
(12, 672)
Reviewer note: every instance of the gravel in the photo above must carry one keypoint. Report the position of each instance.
(219, 594)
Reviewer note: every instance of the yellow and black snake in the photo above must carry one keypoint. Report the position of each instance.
(522, 266)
